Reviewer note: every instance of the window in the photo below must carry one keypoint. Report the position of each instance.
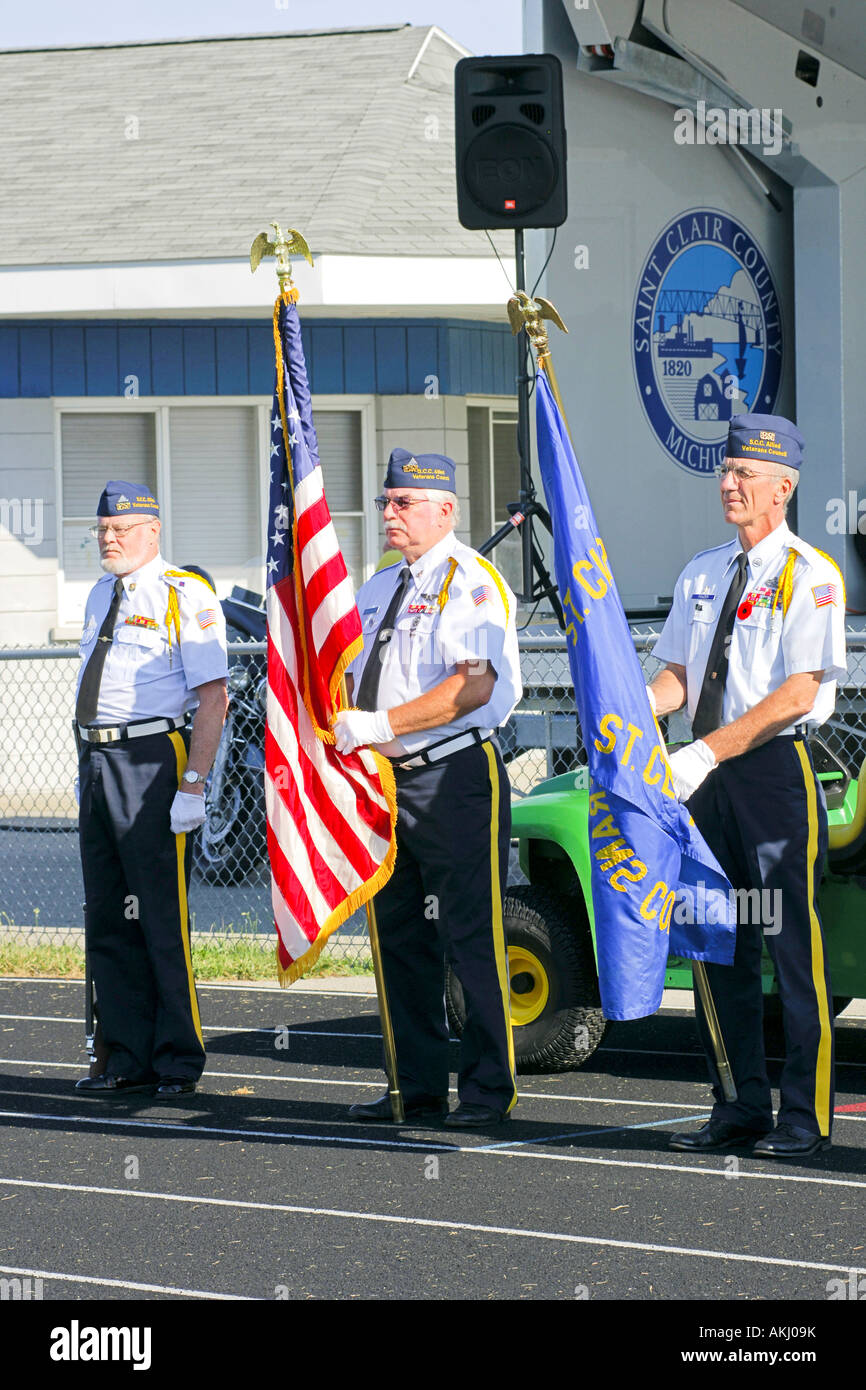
(216, 519)
(95, 448)
(339, 435)
(207, 463)
(494, 481)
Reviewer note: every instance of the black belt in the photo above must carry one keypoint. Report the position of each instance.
(120, 733)
(444, 748)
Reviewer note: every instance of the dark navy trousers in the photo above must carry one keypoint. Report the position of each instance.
(444, 902)
(136, 879)
(764, 817)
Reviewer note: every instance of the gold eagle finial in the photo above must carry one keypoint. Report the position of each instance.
(528, 313)
(283, 248)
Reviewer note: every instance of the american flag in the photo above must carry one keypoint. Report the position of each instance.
(330, 817)
(824, 593)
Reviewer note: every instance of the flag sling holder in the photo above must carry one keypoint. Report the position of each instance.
(527, 315)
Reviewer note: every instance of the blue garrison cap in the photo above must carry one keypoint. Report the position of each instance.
(420, 470)
(765, 438)
(122, 499)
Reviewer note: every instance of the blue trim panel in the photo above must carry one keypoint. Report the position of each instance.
(229, 357)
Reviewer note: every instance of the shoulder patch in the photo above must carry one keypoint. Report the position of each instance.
(811, 553)
(498, 581)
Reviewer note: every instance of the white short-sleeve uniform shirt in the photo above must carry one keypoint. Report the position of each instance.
(148, 673)
(767, 645)
(457, 608)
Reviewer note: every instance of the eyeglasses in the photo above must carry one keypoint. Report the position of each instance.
(399, 503)
(742, 475)
(100, 532)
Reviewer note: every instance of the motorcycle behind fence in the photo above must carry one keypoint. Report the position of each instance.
(233, 840)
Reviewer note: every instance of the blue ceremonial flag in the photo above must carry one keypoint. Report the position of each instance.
(655, 885)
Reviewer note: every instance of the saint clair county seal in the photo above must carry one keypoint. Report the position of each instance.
(707, 338)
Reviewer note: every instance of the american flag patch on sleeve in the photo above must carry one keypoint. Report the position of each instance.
(206, 617)
(823, 593)
(481, 594)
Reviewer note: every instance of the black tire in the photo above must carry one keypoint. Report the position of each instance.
(556, 1011)
(233, 840)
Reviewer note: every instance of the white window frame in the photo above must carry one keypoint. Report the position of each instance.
(365, 405)
(492, 404)
(159, 406)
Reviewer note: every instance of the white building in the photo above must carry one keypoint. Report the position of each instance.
(135, 343)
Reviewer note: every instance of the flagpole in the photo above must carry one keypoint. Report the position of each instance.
(530, 313)
(395, 1095)
(389, 1046)
(283, 247)
(723, 1066)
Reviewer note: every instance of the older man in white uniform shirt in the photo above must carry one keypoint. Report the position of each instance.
(755, 643)
(438, 674)
(153, 651)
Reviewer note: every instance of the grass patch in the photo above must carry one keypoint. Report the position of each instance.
(64, 962)
(223, 958)
(244, 958)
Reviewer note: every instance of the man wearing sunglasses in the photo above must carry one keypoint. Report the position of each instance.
(153, 651)
(755, 643)
(438, 674)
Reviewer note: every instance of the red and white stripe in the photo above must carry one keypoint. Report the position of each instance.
(824, 594)
(329, 822)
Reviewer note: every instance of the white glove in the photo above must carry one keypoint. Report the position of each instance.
(353, 728)
(187, 812)
(76, 787)
(652, 699)
(689, 766)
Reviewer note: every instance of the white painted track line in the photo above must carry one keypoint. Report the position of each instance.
(209, 1027)
(323, 1081)
(377, 1085)
(89, 1279)
(225, 1028)
(566, 1237)
(431, 1145)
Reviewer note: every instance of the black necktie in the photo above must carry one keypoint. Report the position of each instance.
(368, 690)
(88, 691)
(708, 715)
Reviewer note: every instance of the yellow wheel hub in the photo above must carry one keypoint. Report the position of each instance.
(530, 988)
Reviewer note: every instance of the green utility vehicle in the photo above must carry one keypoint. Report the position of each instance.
(555, 1005)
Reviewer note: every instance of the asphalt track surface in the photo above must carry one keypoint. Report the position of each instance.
(260, 1187)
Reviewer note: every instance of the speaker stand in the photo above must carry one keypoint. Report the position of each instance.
(537, 583)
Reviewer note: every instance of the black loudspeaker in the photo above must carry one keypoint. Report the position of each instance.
(510, 138)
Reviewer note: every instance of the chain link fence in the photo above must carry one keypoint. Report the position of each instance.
(41, 889)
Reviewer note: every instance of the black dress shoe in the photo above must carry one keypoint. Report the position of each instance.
(714, 1135)
(789, 1141)
(422, 1108)
(111, 1087)
(475, 1117)
(175, 1086)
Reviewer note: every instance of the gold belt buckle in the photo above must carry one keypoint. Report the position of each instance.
(105, 735)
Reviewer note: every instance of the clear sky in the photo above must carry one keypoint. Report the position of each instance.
(483, 26)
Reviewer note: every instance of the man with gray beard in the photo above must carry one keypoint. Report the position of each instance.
(153, 652)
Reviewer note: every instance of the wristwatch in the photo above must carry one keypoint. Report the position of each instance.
(190, 776)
